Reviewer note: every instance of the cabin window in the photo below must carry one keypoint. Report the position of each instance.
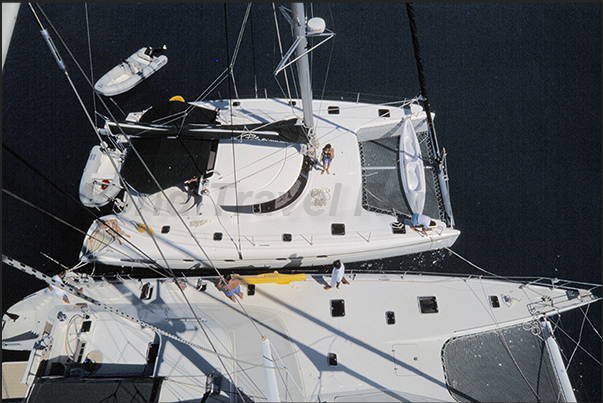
(390, 317)
(165, 229)
(494, 303)
(428, 304)
(217, 236)
(287, 237)
(337, 307)
(384, 113)
(333, 110)
(250, 289)
(337, 229)
(332, 359)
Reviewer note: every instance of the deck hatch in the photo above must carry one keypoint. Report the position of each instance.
(332, 359)
(384, 113)
(494, 302)
(337, 229)
(337, 307)
(428, 304)
(333, 110)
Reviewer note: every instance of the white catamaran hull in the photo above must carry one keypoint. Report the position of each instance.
(420, 333)
(264, 205)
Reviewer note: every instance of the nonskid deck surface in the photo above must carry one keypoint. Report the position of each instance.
(391, 325)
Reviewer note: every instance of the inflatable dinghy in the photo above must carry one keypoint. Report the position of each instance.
(131, 72)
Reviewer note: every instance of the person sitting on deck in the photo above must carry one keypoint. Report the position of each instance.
(231, 286)
(421, 222)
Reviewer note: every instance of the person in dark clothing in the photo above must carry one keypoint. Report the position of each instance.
(327, 155)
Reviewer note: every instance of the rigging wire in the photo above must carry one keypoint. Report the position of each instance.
(126, 187)
(91, 68)
(24, 201)
(579, 337)
(473, 264)
(578, 345)
(280, 46)
(499, 331)
(234, 163)
(34, 169)
(255, 78)
(55, 53)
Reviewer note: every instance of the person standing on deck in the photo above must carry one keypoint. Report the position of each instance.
(60, 293)
(328, 153)
(337, 275)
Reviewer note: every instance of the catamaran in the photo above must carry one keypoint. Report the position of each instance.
(382, 337)
(239, 182)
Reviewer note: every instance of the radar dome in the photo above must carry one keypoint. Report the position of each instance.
(316, 25)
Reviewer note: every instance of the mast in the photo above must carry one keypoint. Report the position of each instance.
(303, 66)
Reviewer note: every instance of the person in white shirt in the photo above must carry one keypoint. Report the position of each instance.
(60, 293)
(337, 275)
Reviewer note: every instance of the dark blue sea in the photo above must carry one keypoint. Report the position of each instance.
(516, 89)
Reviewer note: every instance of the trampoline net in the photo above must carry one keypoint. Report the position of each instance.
(479, 368)
(382, 182)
